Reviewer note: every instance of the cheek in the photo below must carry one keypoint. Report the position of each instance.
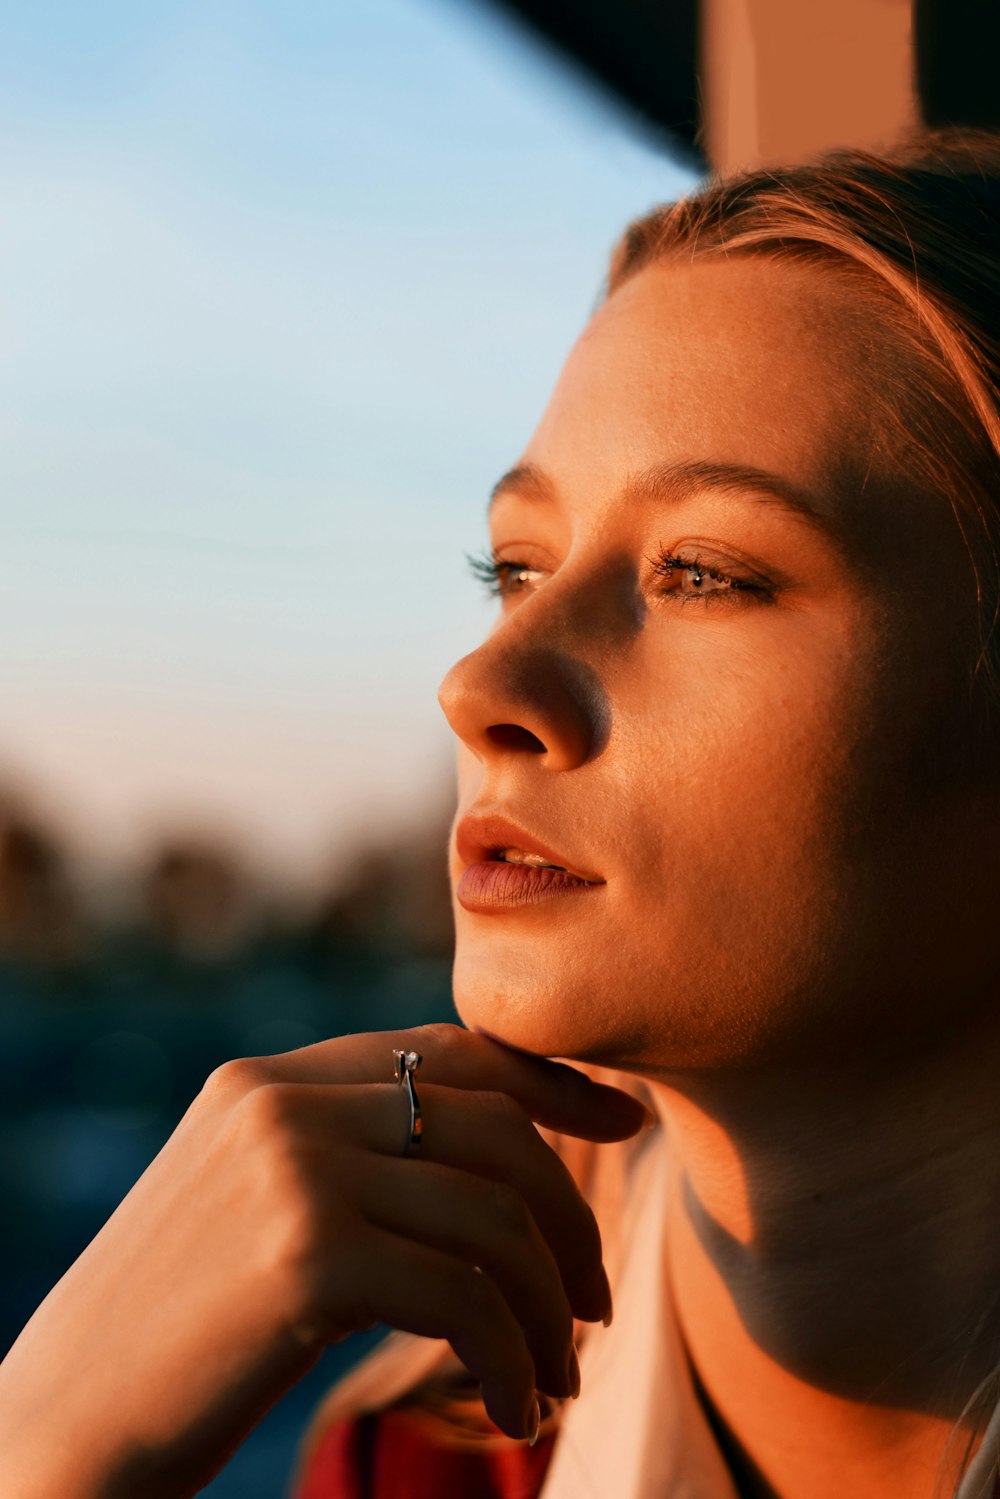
(787, 844)
(776, 752)
(750, 835)
(760, 806)
(747, 892)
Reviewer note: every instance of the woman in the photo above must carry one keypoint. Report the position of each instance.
(728, 827)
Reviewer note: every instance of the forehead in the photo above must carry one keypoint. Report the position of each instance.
(749, 361)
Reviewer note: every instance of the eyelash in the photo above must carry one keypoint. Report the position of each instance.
(666, 564)
(495, 575)
(498, 576)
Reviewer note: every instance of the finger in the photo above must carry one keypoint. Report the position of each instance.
(489, 1134)
(552, 1093)
(485, 1223)
(377, 1276)
(484, 1134)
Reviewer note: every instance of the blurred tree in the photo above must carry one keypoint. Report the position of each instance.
(391, 904)
(196, 902)
(41, 920)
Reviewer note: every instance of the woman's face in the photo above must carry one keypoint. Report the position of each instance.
(736, 707)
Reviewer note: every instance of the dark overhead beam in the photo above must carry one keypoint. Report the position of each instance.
(957, 61)
(644, 51)
(648, 55)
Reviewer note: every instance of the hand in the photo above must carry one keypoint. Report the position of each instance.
(280, 1216)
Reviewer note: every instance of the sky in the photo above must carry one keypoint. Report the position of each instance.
(283, 289)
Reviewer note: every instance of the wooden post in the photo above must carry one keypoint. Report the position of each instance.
(783, 79)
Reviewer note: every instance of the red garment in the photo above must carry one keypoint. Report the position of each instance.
(390, 1456)
(387, 1456)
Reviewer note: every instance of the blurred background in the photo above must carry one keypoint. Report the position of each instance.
(283, 288)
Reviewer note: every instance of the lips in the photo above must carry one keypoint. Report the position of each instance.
(483, 839)
(507, 868)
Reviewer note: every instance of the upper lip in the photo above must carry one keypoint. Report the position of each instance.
(483, 837)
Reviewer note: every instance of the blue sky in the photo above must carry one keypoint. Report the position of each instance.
(283, 288)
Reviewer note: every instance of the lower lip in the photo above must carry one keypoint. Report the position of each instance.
(499, 886)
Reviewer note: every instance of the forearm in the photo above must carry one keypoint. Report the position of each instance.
(56, 1466)
(62, 1438)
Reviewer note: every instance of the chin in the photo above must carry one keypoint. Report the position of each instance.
(624, 1016)
(551, 1009)
(507, 1001)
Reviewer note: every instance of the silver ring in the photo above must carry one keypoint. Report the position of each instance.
(405, 1064)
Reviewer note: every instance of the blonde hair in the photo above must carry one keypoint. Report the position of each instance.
(916, 233)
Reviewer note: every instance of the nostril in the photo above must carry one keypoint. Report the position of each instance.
(510, 736)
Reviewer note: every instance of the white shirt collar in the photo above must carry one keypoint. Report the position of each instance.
(641, 1431)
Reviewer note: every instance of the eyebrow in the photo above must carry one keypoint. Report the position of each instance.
(668, 483)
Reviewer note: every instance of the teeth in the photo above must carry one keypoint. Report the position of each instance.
(521, 856)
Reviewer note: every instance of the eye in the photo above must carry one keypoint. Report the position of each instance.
(692, 577)
(689, 577)
(501, 577)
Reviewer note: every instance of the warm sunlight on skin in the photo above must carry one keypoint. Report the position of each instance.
(762, 773)
(737, 719)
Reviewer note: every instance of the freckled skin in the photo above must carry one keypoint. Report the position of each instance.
(791, 796)
(776, 792)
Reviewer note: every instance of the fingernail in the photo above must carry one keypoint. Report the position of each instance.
(534, 1423)
(574, 1373)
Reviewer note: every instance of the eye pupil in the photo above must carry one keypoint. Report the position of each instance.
(697, 577)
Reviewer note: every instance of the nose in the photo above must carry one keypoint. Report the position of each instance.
(505, 699)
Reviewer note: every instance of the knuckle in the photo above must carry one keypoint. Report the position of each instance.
(233, 1079)
(443, 1035)
(290, 1181)
(308, 1239)
(511, 1211)
(267, 1110)
(480, 1296)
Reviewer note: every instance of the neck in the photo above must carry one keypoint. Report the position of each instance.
(834, 1260)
